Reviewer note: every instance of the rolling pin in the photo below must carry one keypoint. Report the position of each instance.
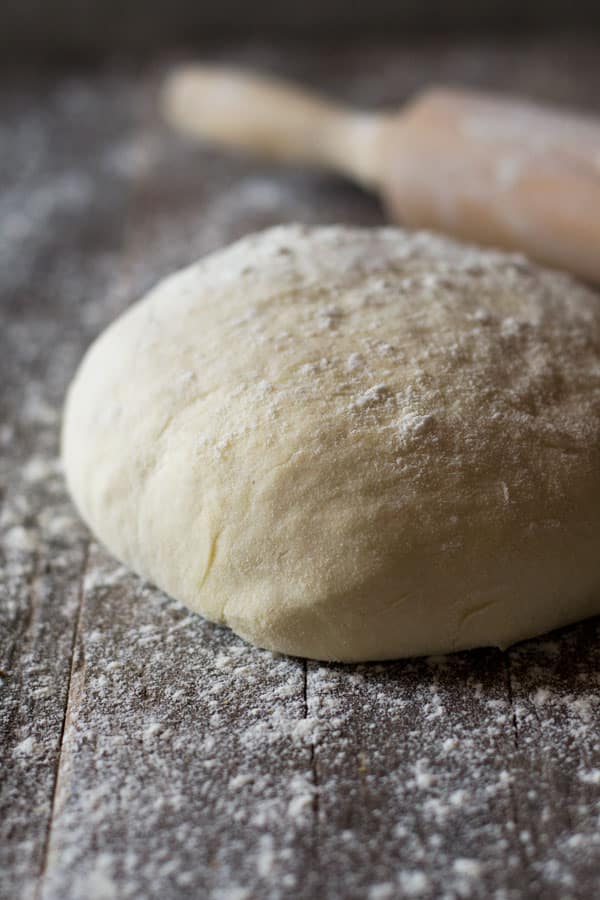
(485, 168)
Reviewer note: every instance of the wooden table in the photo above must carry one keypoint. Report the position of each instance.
(148, 754)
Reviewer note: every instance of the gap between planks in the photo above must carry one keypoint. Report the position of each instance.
(65, 718)
(313, 765)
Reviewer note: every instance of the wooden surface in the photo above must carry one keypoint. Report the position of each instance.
(146, 753)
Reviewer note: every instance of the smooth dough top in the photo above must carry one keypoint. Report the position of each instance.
(351, 444)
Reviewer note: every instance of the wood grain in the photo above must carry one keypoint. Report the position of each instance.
(146, 753)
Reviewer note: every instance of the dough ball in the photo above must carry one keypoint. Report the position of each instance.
(351, 444)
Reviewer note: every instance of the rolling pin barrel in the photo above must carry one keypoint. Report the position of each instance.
(501, 173)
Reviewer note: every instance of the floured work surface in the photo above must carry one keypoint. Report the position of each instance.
(147, 753)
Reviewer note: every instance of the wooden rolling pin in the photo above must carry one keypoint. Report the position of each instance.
(488, 169)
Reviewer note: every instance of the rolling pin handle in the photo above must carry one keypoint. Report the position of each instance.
(273, 119)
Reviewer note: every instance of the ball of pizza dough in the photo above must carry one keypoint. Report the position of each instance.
(351, 444)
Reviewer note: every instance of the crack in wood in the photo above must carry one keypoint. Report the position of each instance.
(513, 711)
(74, 665)
(511, 788)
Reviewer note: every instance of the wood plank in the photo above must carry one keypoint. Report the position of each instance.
(39, 585)
(415, 777)
(554, 687)
(52, 223)
(186, 755)
(470, 775)
(42, 555)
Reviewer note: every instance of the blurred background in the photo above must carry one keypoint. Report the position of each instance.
(99, 197)
(80, 28)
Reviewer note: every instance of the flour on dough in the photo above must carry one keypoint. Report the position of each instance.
(351, 444)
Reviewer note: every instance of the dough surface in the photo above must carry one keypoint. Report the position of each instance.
(351, 444)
